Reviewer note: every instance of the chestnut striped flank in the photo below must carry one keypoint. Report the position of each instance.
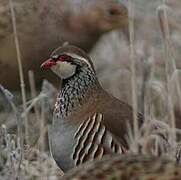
(93, 140)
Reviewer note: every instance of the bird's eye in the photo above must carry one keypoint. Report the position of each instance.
(64, 57)
(113, 12)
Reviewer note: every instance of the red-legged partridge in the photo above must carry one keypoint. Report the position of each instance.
(87, 121)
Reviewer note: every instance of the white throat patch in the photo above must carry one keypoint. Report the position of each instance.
(64, 69)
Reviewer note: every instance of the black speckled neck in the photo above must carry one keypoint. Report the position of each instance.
(74, 90)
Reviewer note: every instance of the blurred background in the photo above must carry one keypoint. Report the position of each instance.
(101, 28)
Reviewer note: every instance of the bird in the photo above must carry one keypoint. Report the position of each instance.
(127, 167)
(42, 25)
(88, 122)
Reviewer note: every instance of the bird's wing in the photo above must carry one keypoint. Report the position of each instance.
(93, 140)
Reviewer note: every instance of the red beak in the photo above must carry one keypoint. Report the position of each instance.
(48, 64)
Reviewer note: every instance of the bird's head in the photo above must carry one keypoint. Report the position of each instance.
(108, 15)
(68, 60)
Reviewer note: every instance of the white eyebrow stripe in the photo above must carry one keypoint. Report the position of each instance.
(79, 57)
(55, 56)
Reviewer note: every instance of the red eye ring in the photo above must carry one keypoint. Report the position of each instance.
(64, 57)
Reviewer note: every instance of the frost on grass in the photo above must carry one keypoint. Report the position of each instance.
(27, 161)
(34, 165)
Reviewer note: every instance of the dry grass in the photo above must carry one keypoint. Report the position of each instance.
(143, 72)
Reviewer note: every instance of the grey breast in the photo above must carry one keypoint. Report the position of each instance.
(62, 142)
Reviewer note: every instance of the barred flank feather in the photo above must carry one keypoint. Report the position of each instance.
(93, 140)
